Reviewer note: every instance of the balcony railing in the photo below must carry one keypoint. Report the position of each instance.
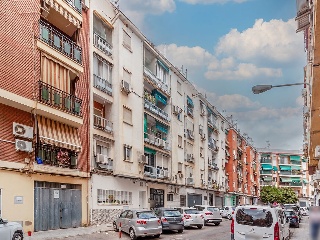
(76, 4)
(190, 111)
(293, 184)
(102, 44)
(102, 123)
(156, 110)
(59, 99)
(265, 160)
(158, 142)
(156, 81)
(266, 172)
(102, 84)
(59, 41)
(212, 145)
(55, 156)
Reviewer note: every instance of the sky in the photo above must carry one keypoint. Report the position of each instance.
(227, 47)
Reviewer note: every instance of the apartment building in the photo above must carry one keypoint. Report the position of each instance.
(44, 114)
(285, 168)
(242, 169)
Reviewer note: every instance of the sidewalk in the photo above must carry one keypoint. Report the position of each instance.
(70, 232)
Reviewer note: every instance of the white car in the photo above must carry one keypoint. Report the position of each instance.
(10, 230)
(304, 211)
(211, 214)
(259, 222)
(227, 211)
(191, 217)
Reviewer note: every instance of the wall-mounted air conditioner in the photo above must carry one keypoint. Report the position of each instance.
(23, 131)
(24, 146)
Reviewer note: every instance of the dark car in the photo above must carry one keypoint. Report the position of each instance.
(295, 208)
(171, 219)
(293, 218)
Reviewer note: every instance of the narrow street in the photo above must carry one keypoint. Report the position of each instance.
(303, 231)
(221, 232)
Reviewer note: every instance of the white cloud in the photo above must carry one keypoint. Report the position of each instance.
(275, 40)
(211, 1)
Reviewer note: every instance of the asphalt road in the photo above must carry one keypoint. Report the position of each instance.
(209, 232)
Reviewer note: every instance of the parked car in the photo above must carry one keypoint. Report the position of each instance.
(170, 218)
(211, 214)
(10, 230)
(227, 212)
(304, 211)
(294, 207)
(259, 222)
(191, 217)
(292, 217)
(140, 222)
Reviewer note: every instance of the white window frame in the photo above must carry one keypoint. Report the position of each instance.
(127, 150)
(118, 197)
(106, 71)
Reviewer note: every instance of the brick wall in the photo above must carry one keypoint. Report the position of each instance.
(8, 115)
(20, 66)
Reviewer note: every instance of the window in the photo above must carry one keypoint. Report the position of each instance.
(170, 197)
(127, 115)
(127, 75)
(127, 152)
(161, 73)
(114, 197)
(123, 214)
(254, 217)
(179, 141)
(101, 149)
(201, 152)
(182, 200)
(102, 67)
(179, 87)
(126, 40)
(179, 116)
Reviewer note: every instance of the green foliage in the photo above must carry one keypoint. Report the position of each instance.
(271, 194)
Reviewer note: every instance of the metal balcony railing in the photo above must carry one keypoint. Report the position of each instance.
(293, 184)
(102, 44)
(150, 171)
(262, 160)
(158, 142)
(59, 41)
(266, 172)
(158, 82)
(156, 110)
(59, 99)
(102, 84)
(102, 123)
(76, 4)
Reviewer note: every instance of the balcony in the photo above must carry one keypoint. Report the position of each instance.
(157, 142)
(156, 172)
(102, 84)
(266, 172)
(156, 81)
(54, 156)
(61, 100)
(212, 124)
(190, 111)
(102, 124)
(102, 44)
(76, 5)
(103, 162)
(156, 110)
(212, 145)
(264, 160)
(292, 184)
(60, 42)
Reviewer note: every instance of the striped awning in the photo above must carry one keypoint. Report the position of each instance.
(58, 134)
(266, 167)
(295, 158)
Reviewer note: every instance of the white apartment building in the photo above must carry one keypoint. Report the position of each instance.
(155, 140)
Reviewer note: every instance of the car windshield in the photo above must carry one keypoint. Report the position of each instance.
(254, 217)
(289, 213)
(191, 211)
(171, 213)
(146, 215)
(213, 209)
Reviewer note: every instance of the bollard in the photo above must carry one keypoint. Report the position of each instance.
(29, 233)
(120, 233)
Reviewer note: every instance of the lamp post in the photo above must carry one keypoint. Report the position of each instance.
(263, 88)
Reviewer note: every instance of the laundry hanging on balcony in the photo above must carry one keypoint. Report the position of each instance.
(190, 102)
(163, 65)
(295, 158)
(58, 134)
(285, 168)
(161, 127)
(159, 97)
(266, 167)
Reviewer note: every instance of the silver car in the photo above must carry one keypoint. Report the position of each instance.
(191, 217)
(10, 230)
(138, 223)
(211, 214)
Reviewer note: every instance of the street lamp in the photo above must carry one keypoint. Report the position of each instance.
(263, 88)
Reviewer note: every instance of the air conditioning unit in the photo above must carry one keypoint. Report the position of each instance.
(100, 158)
(24, 146)
(157, 141)
(23, 131)
(143, 159)
(125, 87)
(190, 181)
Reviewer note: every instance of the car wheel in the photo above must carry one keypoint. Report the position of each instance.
(180, 231)
(229, 216)
(132, 234)
(115, 228)
(200, 226)
(17, 236)
(217, 224)
(157, 236)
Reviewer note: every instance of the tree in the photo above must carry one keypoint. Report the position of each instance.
(271, 194)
